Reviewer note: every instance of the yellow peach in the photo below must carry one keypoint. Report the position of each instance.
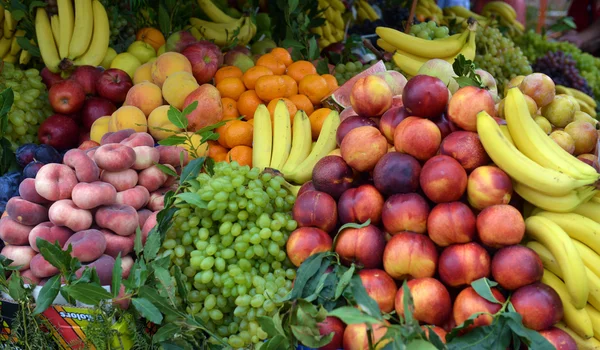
(143, 73)
(99, 128)
(167, 64)
(177, 87)
(194, 145)
(128, 117)
(145, 96)
(158, 120)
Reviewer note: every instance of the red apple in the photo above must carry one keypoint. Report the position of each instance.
(59, 131)
(205, 58)
(66, 96)
(94, 108)
(335, 325)
(113, 85)
(87, 76)
(49, 78)
(178, 41)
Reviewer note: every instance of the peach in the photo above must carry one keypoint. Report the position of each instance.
(466, 103)
(119, 218)
(560, 339)
(543, 123)
(167, 64)
(49, 232)
(172, 155)
(25, 212)
(85, 168)
(516, 266)
(418, 137)
(122, 299)
(116, 244)
(564, 140)
(121, 180)
(468, 302)
(128, 117)
(29, 277)
(138, 139)
(443, 179)
(410, 255)
(99, 128)
(431, 300)
(143, 73)
(531, 105)
(149, 225)
(209, 110)
(348, 124)
(332, 325)
(405, 212)
(439, 331)
(136, 197)
(584, 136)
(308, 210)
(117, 136)
(55, 181)
(14, 233)
(332, 175)
(487, 186)
(126, 265)
(461, 264)
(380, 287)
(41, 268)
(94, 194)
(390, 120)
(396, 173)
(156, 201)
(172, 179)
(500, 225)
(27, 192)
(65, 213)
(360, 204)
(361, 246)
(159, 120)
(466, 148)
(104, 267)
(356, 337)
(146, 96)
(177, 87)
(306, 241)
(143, 215)
(362, 148)
(539, 305)
(307, 186)
(114, 157)
(587, 158)
(88, 245)
(152, 178)
(21, 255)
(370, 96)
(145, 157)
(451, 223)
(539, 87)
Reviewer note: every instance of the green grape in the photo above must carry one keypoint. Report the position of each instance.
(350, 67)
(424, 34)
(440, 32)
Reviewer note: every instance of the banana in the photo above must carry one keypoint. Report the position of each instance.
(533, 142)
(327, 34)
(222, 36)
(463, 12)
(371, 14)
(262, 139)
(338, 21)
(581, 96)
(196, 33)
(301, 142)
(387, 47)
(338, 5)
(282, 136)
(577, 227)
(559, 204)
(590, 258)
(83, 28)
(55, 24)
(595, 318)
(10, 25)
(14, 46)
(590, 209)
(67, 18)
(422, 47)
(214, 13)
(25, 57)
(582, 116)
(4, 46)
(100, 39)
(577, 319)
(43, 33)
(231, 26)
(325, 144)
(560, 89)
(504, 129)
(582, 344)
(585, 107)
(318, 30)
(9, 58)
(507, 13)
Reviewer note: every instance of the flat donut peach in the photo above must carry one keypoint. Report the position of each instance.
(136, 197)
(66, 213)
(85, 168)
(49, 232)
(27, 192)
(116, 137)
(26, 212)
(145, 157)
(152, 178)
(21, 255)
(121, 180)
(87, 245)
(171, 155)
(93, 194)
(138, 139)
(116, 244)
(41, 268)
(12, 232)
(55, 181)
(119, 218)
(104, 266)
(114, 157)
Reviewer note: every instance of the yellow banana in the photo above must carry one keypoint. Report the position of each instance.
(338, 5)
(223, 37)
(301, 142)
(560, 89)
(580, 95)
(577, 227)
(231, 26)
(262, 139)
(323, 42)
(371, 14)
(327, 34)
(282, 136)
(24, 57)
(590, 210)
(4, 46)
(196, 33)
(582, 344)
(463, 12)
(387, 47)
(361, 14)
(214, 13)
(82, 28)
(9, 58)
(422, 47)
(100, 39)
(559, 204)
(338, 21)
(595, 318)
(10, 25)
(585, 107)
(55, 24)
(585, 117)
(67, 19)
(504, 129)
(590, 258)
(14, 46)
(45, 39)
(318, 30)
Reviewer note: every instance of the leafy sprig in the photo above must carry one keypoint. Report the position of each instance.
(465, 69)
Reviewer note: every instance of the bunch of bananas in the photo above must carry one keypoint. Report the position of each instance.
(10, 50)
(332, 31)
(428, 10)
(365, 12)
(79, 35)
(461, 15)
(223, 29)
(586, 103)
(411, 52)
(505, 15)
(288, 147)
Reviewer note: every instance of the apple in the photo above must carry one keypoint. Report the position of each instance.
(94, 108)
(442, 70)
(489, 82)
(126, 62)
(178, 41)
(87, 77)
(231, 54)
(49, 78)
(59, 131)
(205, 58)
(113, 85)
(142, 51)
(66, 96)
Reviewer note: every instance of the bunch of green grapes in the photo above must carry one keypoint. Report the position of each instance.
(345, 71)
(499, 56)
(429, 31)
(122, 30)
(30, 107)
(232, 250)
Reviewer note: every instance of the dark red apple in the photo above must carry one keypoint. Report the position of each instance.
(205, 58)
(87, 76)
(66, 96)
(59, 131)
(113, 85)
(49, 78)
(94, 108)
(425, 96)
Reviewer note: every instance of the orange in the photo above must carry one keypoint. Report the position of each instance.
(272, 62)
(291, 87)
(247, 104)
(222, 129)
(227, 72)
(314, 87)
(283, 55)
(217, 152)
(236, 134)
(299, 69)
(231, 87)
(240, 154)
(253, 74)
(316, 121)
(331, 82)
(291, 107)
(230, 110)
(151, 36)
(302, 103)
(270, 87)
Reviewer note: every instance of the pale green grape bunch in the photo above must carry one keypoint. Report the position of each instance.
(30, 107)
(429, 31)
(231, 249)
(345, 71)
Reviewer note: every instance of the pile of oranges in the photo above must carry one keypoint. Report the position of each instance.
(275, 76)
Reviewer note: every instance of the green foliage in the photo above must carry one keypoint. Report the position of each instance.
(7, 156)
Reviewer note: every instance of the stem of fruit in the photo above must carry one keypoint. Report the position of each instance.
(413, 8)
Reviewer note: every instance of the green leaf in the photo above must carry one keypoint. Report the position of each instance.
(310, 336)
(35, 4)
(350, 225)
(181, 288)
(47, 294)
(166, 284)
(152, 245)
(482, 287)
(54, 254)
(531, 338)
(166, 332)
(322, 67)
(435, 339)
(87, 293)
(344, 281)
(313, 49)
(420, 344)
(276, 343)
(147, 310)
(16, 289)
(166, 170)
(17, 15)
(164, 20)
(193, 199)
(191, 170)
(7, 98)
(363, 300)
(306, 271)
(138, 246)
(408, 304)
(173, 140)
(159, 301)
(188, 110)
(352, 315)
(117, 276)
(495, 336)
(176, 117)
(456, 331)
(292, 5)
(267, 324)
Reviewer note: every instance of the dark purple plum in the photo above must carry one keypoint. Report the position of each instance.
(47, 154)
(32, 169)
(396, 173)
(25, 154)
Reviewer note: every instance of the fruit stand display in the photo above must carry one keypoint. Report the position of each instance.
(295, 175)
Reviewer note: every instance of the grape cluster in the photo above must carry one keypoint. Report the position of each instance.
(232, 251)
(429, 31)
(562, 68)
(122, 30)
(30, 107)
(499, 56)
(345, 71)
